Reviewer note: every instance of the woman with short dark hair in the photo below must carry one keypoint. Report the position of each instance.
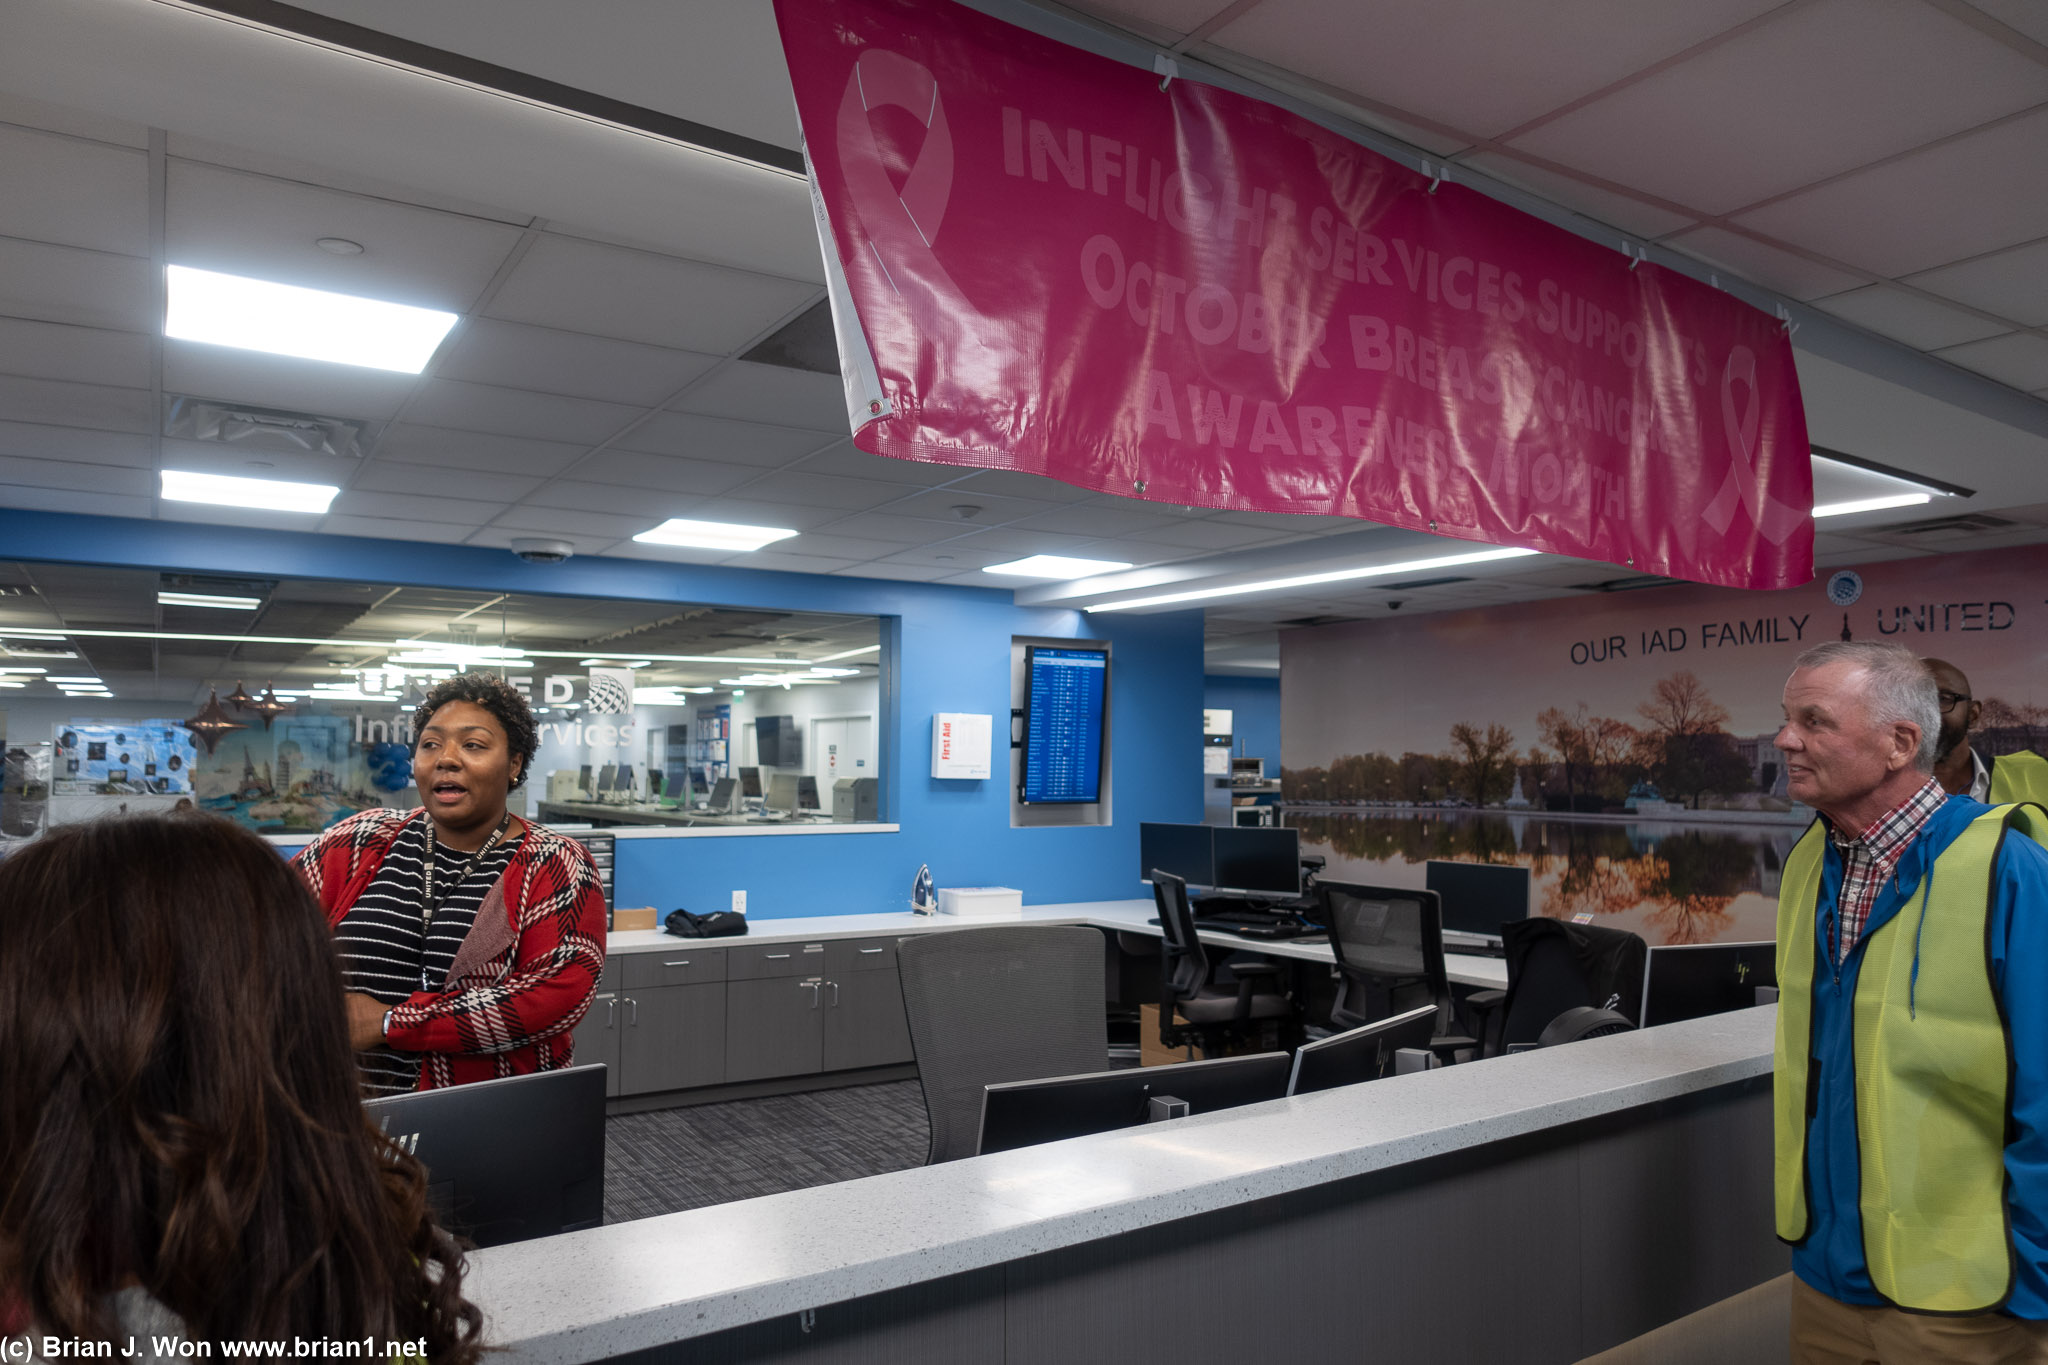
(471, 940)
(183, 1148)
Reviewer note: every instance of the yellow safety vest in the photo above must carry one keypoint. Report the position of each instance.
(1932, 1075)
(2019, 777)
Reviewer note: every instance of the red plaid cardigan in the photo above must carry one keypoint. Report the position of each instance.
(521, 979)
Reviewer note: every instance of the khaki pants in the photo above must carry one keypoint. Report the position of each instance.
(1828, 1332)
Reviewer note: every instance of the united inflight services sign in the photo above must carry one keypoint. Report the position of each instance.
(1040, 260)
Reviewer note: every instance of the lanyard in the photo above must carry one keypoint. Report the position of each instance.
(429, 904)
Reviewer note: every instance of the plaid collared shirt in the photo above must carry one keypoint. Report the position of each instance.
(1870, 857)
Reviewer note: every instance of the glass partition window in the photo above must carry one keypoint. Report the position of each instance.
(287, 705)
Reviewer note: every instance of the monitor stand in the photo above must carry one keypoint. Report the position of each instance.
(1239, 910)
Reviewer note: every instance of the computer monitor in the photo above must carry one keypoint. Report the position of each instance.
(608, 778)
(807, 793)
(1478, 898)
(1688, 980)
(750, 783)
(1362, 1054)
(583, 781)
(725, 795)
(1183, 850)
(622, 780)
(1025, 1113)
(782, 792)
(654, 782)
(547, 1177)
(1263, 861)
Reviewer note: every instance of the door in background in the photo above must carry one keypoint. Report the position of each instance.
(842, 746)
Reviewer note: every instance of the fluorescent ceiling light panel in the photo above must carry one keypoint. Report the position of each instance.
(1843, 509)
(201, 599)
(712, 535)
(12, 668)
(613, 663)
(835, 658)
(5, 683)
(1056, 566)
(90, 682)
(267, 495)
(1309, 580)
(286, 319)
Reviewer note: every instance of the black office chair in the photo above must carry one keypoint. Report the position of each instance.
(1216, 1016)
(1554, 967)
(1011, 1002)
(1389, 945)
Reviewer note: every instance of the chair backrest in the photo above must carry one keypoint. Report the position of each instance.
(1554, 967)
(1186, 963)
(1001, 1003)
(1385, 938)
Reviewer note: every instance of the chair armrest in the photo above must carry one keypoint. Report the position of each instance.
(1248, 976)
(1484, 1001)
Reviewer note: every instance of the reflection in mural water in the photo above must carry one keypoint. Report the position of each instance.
(1672, 881)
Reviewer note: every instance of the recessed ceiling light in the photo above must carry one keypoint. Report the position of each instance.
(91, 682)
(313, 324)
(1306, 580)
(1843, 509)
(12, 668)
(1056, 566)
(226, 490)
(5, 683)
(712, 535)
(613, 663)
(202, 599)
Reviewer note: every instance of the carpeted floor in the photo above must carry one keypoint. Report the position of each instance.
(675, 1159)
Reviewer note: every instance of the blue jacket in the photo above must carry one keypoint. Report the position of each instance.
(1831, 1257)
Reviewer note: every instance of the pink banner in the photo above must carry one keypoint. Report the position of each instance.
(1195, 298)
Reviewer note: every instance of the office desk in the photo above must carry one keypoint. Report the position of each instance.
(665, 817)
(1129, 916)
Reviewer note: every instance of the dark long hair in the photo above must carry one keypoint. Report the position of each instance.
(179, 1106)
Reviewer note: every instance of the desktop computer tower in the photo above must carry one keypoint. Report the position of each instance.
(855, 799)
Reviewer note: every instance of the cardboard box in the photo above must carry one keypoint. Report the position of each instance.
(981, 902)
(624, 919)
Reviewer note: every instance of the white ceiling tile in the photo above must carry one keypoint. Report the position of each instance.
(71, 474)
(1788, 103)
(1765, 265)
(386, 475)
(939, 504)
(1984, 192)
(74, 501)
(415, 507)
(960, 556)
(1477, 64)
(61, 189)
(2020, 360)
(389, 528)
(804, 489)
(1095, 519)
(1009, 483)
(1207, 533)
(771, 393)
(573, 363)
(749, 511)
(279, 381)
(710, 438)
(1294, 526)
(188, 148)
(568, 521)
(1632, 216)
(243, 224)
(902, 573)
(449, 448)
(883, 527)
(57, 118)
(69, 284)
(90, 355)
(649, 505)
(2028, 16)
(1902, 315)
(832, 545)
(2012, 284)
(511, 412)
(30, 441)
(584, 286)
(849, 459)
(791, 563)
(54, 403)
(667, 473)
(1018, 541)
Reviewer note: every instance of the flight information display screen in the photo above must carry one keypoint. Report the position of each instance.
(1063, 696)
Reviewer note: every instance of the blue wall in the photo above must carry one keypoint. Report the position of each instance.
(1255, 719)
(948, 650)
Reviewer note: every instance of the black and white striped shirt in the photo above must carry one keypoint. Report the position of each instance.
(386, 954)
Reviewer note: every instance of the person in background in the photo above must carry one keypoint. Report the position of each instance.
(1911, 1069)
(2021, 776)
(471, 940)
(183, 1149)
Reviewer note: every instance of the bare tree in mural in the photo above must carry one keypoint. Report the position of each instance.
(1688, 747)
(1588, 747)
(1485, 760)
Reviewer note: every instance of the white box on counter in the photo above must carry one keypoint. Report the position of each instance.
(981, 902)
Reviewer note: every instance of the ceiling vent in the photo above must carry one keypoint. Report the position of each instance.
(269, 431)
(1947, 528)
(807, 342)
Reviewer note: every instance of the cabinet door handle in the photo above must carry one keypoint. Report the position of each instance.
(611, 1011)
(874, 950)
(835, 993)
(778, 957)
(632, 1012)
(684, 963)
(816, 994)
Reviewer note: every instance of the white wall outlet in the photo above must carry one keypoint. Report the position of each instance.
(739, 902)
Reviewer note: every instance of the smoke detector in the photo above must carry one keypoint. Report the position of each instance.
(541, 550)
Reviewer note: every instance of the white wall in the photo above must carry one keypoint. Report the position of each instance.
(853, 697)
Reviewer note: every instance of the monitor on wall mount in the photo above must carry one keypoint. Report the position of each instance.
(1065, 697)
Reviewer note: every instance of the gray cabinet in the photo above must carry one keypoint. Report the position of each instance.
(597, 1034)
(674, 1037)
(864, 1022)
(775, 1026)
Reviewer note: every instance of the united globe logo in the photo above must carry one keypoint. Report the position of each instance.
(611, 691)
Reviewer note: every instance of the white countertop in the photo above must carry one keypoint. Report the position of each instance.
(1131, 915)
(587, 1295)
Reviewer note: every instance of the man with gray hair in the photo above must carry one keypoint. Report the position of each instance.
(1911, 1082)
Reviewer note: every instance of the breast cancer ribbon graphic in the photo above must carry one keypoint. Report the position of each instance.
(901, 228)
(1775, 519)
